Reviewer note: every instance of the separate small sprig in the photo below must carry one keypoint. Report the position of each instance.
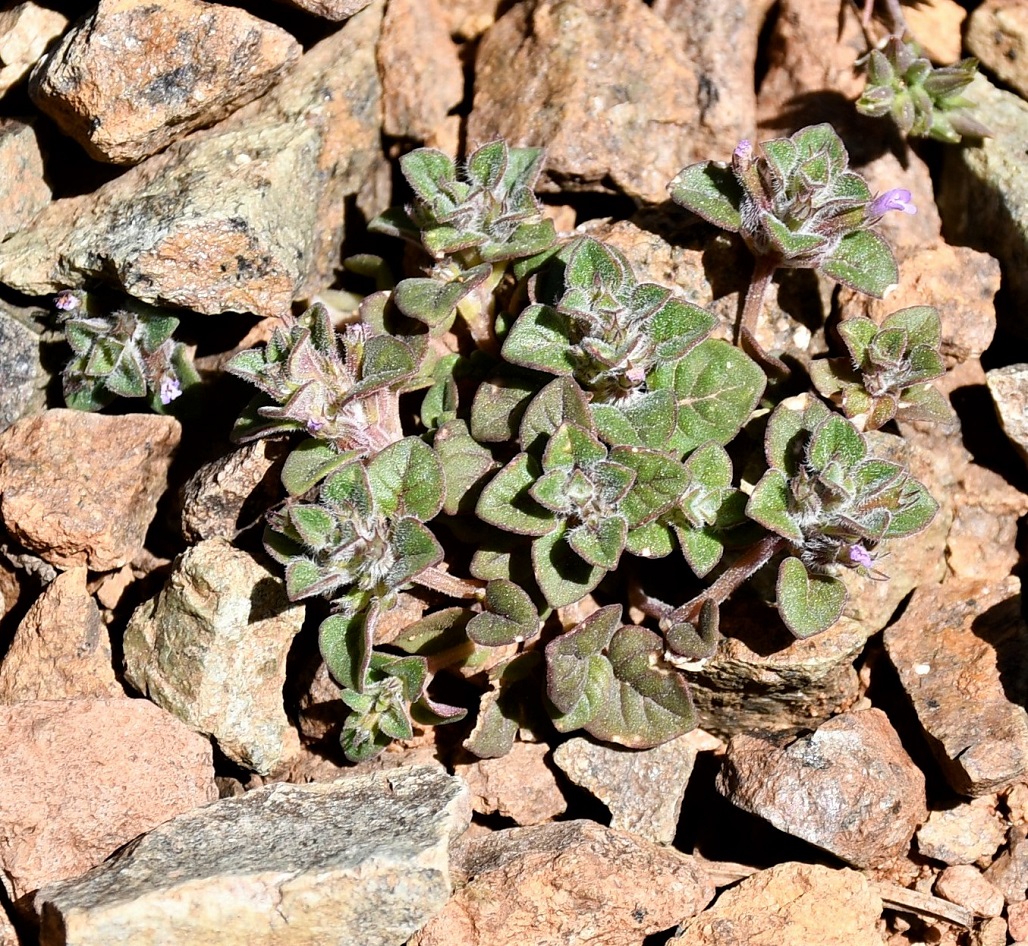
(923, 100)
(121, 350)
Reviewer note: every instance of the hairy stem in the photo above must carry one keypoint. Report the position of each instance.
(450, 585)
(763, 269)
(754, 558)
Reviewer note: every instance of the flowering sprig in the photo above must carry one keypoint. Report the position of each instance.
(923, 101)
(121, 350)
(795, 203)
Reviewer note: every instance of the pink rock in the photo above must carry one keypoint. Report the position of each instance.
(23, 189)
(963, 834)
(422, 77)
(519, 785)
(330, 9)
(997, 34)
(956, 649)
(1017, 920)
(80, 778)
(567, 882)
(26, 29)
(606, 88)
(136, 75)
(791, 904)
(61, 650)
(936, 25)
(849, 787)
(81, 489)
(964, 884)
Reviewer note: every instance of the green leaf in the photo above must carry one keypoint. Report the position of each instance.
(304, 579)
(917, 511)
(488, 164)
(660, 481)
(717, 387)
(538, 339)
(426, 170)
(710, 190)
(702, 547)
(863, 261)
(769, 505)
(600, 545)
(348, 487)
(416, 549)
(787, 433)
(406, 479)
(506, 501)
(313, 524)
(611, 681)
(925, 403)
(560, 402)
(571, 446)
(835, 440)
(563, 576)
(789, 243)
(498, 408)
(436, 633)
(647, 421)
(500, 710)
(309, 463)
(429, 300)
(593, 264)
(653, 540)
(920, 321)
(808, 604)
(465, 464)
(692, 643)
(511, 618)
(345, 642)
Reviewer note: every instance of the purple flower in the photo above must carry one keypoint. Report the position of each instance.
(896, 199)
(858, 555)
(170, 389)
(314, 425)
(66, 301)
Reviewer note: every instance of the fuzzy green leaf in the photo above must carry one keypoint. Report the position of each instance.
(511, 616)
(465, 463)
(653, 540)
(309, 463)
(808, 604)
(426, 169)
(345, 642)
(863, 261)
(787, 433)
(835, 440)
(918, 510)
(611, 681)
(538, 339)
(717, 387)
(498, 408)
(560, 402)
(647, 421)
(659, 483)
(406, 479)
(563, 576)
(709, 190)
(602, 545)
(506, 501)
(415, 548)
(769, 505)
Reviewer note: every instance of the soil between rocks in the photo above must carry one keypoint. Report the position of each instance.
(880, 768)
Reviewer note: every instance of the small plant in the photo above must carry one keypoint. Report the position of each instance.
(574, 422)
(889, 368)
(125, 350)
(924, 101)
(796, 204)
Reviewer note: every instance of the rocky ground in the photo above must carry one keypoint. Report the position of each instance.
(867, 786)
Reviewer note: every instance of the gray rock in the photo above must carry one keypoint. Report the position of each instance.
(959, 652)
(363, 859)
(984, 193)
(214, 223)
(211, 648)
(1009, 872)
(849, 788)
(24, 377)
(215, 497)
(1009, 389)
(642, 788)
